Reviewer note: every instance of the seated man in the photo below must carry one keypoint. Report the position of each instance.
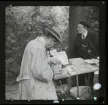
(86, 46)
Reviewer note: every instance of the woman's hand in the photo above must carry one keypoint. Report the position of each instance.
(54, 61)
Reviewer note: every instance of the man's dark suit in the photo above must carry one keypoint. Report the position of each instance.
(86, 49)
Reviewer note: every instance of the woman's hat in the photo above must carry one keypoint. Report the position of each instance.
(55, 32)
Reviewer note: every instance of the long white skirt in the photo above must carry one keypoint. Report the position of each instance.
(33, 89)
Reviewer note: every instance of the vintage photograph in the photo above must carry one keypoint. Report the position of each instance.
(52, 53)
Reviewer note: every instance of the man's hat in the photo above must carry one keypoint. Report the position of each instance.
(55, 32)
(85, 23)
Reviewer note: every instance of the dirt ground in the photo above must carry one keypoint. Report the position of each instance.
(11, 89)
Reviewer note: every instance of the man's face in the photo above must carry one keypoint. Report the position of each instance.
(81, 29)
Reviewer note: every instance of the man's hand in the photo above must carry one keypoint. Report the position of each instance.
(97, 86)
(98, 58)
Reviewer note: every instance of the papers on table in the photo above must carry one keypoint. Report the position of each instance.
(61, 56)
(76, 61)
(80, 61)
(70, 69)
(92, 61)
(57, 60)
(81, 65)
(72, 66)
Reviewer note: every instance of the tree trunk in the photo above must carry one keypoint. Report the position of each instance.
(76, 14)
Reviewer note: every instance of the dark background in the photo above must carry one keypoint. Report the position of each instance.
(102, 37)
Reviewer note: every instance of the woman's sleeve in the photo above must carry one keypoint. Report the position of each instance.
(40, 67)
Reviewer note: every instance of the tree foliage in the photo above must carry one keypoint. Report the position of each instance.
(92, 16)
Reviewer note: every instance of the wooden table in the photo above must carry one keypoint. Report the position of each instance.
(77, 70)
